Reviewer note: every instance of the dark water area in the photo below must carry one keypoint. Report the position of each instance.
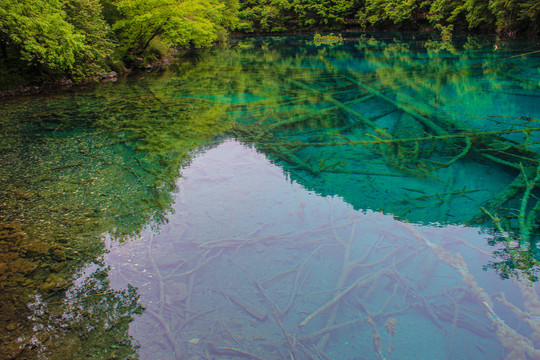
(374, 197)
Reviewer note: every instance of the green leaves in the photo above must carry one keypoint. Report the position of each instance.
(287, 15)
(264, 15)
(68, 37)
(178, 22)
(504, 16)
(87, 19)
(71, 37)
(389, 11)
(39, 31)
(80, 38)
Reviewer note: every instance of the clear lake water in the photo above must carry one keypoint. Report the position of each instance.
(374, 197)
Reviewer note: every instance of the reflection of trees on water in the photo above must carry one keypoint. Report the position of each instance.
(406, 128)
(74, 168)
(91, 319)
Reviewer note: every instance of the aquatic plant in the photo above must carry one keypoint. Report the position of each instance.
(319, 39)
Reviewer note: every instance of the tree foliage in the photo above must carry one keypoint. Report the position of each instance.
(80, 38)
(178, 22)
(323, 13)
(74, 37)
(287, 15)
(56, 36)
(87, 19)
(508, 17)
(265, 15)
(38, 31)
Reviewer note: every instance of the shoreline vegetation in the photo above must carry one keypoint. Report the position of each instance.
(49, 44)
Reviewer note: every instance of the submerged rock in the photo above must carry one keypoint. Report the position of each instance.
(23, 194)
(109, 77)
(22, 266)
(58, 254)
(54, 282)
(36, 247)
(176, 291)
(11, 349)
(12, 236)
(64, 348)
(12, 326)
(3, 267)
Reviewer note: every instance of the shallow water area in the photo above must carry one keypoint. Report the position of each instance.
(375, 197)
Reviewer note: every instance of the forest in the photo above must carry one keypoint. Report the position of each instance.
(80, 39)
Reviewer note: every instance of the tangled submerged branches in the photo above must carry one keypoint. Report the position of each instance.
(408, 138)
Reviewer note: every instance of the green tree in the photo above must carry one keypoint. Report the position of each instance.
(530, 10)
(87, 18)
(38, 32)
(56, 37)
(110, 12)
(444, 12)
(512, 16)
(477, 13)
(198, 23)
(286, 15)
(265, 15)
(387, 12)
(324, 13)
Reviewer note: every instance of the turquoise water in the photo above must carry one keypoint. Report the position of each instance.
(375, 198)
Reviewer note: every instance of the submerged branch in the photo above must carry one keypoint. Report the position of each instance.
(463, 135)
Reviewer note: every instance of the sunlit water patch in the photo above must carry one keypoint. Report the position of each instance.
(372, 198)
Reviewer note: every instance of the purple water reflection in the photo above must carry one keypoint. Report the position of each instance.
(252, 265)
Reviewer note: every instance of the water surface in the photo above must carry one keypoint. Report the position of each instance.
(374, 198)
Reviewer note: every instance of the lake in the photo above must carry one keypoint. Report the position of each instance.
(370, 197)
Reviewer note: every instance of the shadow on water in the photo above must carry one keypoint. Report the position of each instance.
(131, 226)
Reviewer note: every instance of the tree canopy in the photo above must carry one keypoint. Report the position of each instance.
(177, 22)
(38, 31)
(502, 16)
(81, 38)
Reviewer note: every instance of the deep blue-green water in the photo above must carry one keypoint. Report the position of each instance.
(375, 198)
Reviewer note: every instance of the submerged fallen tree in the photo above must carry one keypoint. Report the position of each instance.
(419, 142)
